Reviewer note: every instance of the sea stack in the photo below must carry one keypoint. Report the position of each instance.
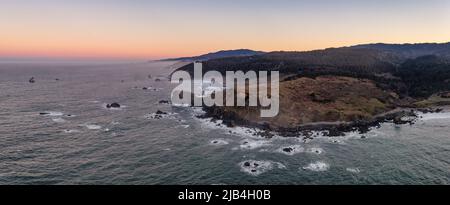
(113, 105)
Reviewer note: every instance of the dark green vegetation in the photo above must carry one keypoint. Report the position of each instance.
(343, 89)
(425, 75)
(415, 70)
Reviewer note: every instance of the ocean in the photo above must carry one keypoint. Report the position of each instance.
(59, 131)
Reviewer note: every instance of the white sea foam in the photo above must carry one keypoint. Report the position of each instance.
(166, 115)
(180, 105)
(291, 150)
(58, 120)
(315, 150)
(250, 144)
(92, 126)
(255, 168)
(71, 131)
(353, 170)
(435, 116)
(184, 126)
(218, 142)
(52, 113)
(317, 166)
(181, 120)
(237, 130)
(333, 140)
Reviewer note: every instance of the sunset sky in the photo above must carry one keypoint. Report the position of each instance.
(153, 29)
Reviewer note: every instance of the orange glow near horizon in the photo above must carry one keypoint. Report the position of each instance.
(163, 29)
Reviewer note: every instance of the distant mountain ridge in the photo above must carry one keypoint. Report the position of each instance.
(219, 54)
(411, 50)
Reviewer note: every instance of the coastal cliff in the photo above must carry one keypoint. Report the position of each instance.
(343, 89)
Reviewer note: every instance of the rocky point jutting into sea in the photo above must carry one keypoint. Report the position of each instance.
(343, 89)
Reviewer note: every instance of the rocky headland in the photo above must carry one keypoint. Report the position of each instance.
(343, 89)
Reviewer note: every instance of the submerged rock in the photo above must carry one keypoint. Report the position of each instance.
(405, 118)
(256, 168)
(288, 149)
(159, 112)
(113, 105)
(164, 102)
(160, 115)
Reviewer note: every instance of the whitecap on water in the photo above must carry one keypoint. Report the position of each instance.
(255, 168)
(71, 131)
(161, 115)
(317, 166)
(51, 113)
(291, 150)
(181, 105)
(315, 150)
(218, 142)
(435, 116)
(92, 126)
(249, 144)
(353, 170)
(185, 126)
(58, 120)
(246, 132)
(334, 140)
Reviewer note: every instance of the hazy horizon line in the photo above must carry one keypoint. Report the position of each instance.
(44, 58)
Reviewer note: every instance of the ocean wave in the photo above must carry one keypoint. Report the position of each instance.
(161, 115)
(52, 113)
(71, 131)
(353, 170)
(318, 166)
(291, 150)
(315, 150)
(58, 120)
(255, 168)
(218, 142)
(250, 144)
(92, 126)
(434, 116)
(245, 132)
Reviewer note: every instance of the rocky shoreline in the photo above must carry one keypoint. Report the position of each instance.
(332, 129)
